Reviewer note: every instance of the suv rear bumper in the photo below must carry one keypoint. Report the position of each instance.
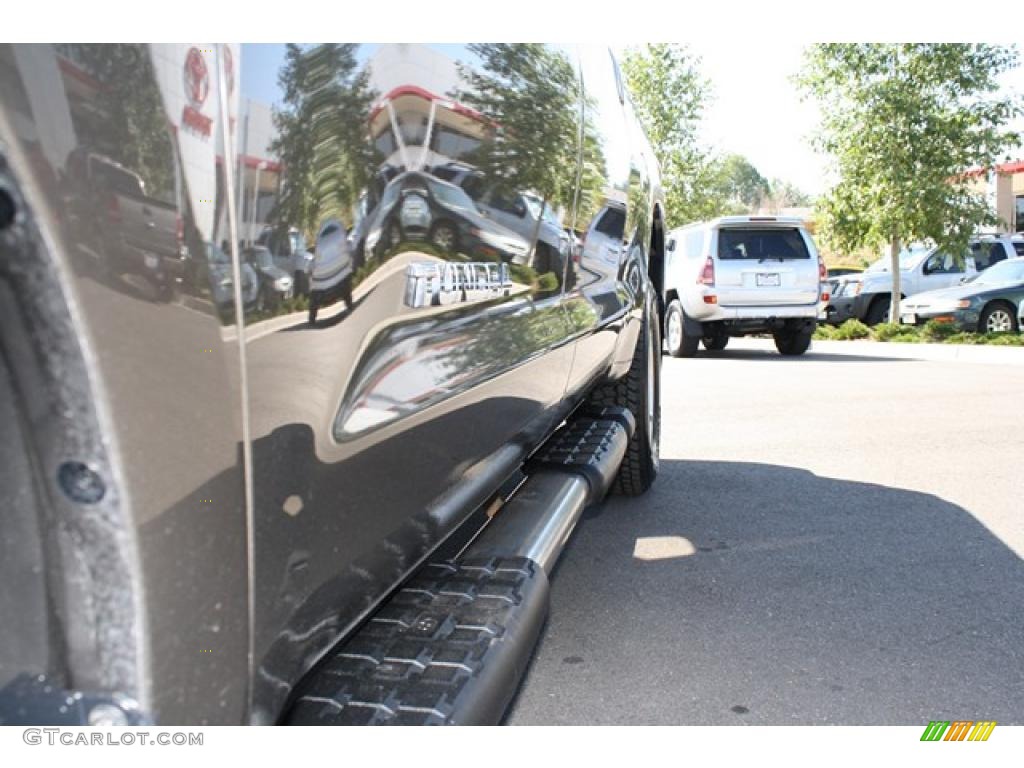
(725, 312)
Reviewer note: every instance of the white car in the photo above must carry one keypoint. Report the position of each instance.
(741, 275)
(929, 269)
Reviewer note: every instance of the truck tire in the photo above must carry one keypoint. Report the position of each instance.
(878, 311)
(679, 344)
(792, 343)
(640, 392)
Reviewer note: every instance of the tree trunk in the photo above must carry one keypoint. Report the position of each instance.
(894, 269)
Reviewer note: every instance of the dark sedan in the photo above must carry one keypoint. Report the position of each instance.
(988, 303)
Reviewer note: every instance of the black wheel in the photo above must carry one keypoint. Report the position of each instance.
(346, 292)
(444, 236)
(640, 392)
(998, 317)
(878, 312)
(679, 344)
(715, 343)
(793, 343)
(262, 300)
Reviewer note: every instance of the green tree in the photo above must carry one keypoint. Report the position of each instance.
(742, 184)
(322, 137)
(529, 94)
(670, 95)
(903, 123)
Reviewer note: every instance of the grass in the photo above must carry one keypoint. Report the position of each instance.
(930, 333)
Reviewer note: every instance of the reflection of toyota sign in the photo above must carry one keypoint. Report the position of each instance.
(197, 87)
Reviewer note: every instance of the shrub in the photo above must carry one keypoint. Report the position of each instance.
(964, 337)
(936, 331)
(825, 332)
(852, 329)
(885, 331)
(1005, 339)
(905, 338)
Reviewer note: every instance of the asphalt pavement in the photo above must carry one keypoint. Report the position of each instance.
(832, 539)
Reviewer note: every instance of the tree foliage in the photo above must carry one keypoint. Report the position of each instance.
(670, 95)
(322, 140)
(903, 123)
(741, 182)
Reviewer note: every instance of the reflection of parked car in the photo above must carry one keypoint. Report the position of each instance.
(289, 251)
(923, 269)
(222, 283)
(275, 284)
(135, 232)
(416, 206)
(333, 268)
(517, 211)
(988, 302)
(741, 275)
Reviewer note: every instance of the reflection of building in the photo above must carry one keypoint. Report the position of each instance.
(258, 169)
(1005, 190)
(417, 126)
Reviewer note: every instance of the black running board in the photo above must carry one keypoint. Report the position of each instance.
(452, 645)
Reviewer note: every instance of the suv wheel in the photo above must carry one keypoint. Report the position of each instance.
(716, 342)
(640, 392)
(793, 342)
(679, 344)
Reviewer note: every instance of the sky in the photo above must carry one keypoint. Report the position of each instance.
(757, 111)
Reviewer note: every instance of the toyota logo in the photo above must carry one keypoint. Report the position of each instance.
(197, 78)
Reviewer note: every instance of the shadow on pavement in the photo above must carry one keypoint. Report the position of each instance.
(771, 354)
(782, 598)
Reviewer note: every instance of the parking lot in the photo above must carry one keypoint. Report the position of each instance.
(833, 539)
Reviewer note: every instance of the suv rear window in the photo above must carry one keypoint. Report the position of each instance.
(762, 244)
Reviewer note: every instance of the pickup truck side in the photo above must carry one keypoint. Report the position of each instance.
(928, 269)
(133, 232)
(219, 516)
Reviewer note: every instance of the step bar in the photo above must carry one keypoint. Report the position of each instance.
(451, 646)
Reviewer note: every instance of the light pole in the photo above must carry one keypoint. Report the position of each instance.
(261, 166)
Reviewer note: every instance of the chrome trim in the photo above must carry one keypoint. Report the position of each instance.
(538, 521)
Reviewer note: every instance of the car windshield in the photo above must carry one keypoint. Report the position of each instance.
(761, 244)
(534, 204)
(908, 258)
(452, 196)
(1004, 272)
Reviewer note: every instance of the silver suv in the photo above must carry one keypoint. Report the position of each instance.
(741, 275)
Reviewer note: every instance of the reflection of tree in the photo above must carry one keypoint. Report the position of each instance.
(128, 123)
(322, 142)
(530, 96)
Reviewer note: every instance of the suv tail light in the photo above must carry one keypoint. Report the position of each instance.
(822, 272)
(707, 274)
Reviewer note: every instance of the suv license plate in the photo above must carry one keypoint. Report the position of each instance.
(908, 319)
(768, 278)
